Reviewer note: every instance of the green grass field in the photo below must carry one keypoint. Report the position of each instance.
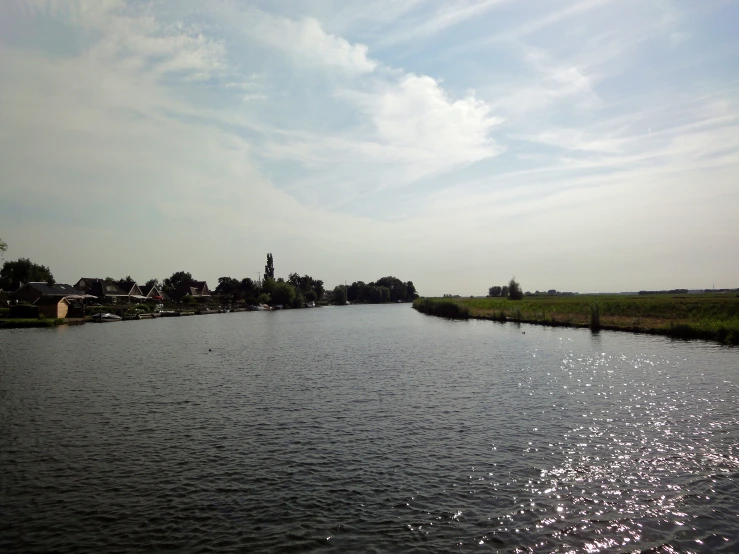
(712, 316)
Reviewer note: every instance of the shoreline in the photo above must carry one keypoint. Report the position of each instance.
(697, 318)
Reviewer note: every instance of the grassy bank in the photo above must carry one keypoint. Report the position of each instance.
(696, 316)
(21, 323)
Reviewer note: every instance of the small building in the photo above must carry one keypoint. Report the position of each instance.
(31, 292)
(59, 307)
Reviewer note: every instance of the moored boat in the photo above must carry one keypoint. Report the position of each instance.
(101, 317)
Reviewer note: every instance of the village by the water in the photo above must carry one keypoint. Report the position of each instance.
(30, 297)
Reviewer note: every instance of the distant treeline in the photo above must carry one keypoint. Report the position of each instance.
(673, 291)
(386, 289)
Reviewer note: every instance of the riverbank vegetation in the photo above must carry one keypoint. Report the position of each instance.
(691, 316)
(25, 323)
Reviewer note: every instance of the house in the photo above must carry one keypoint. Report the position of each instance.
(106, 292)
(59, 307)
(31, 292)
(152, 292)
(196, 289)
(132, 289)
(200, 288)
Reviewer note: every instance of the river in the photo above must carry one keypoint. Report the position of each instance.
(364, 429)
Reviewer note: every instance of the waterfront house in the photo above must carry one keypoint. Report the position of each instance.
(152, 292)
(31, 292)
(106, 292)
(60, 307)
(133, 290)
(197, 289)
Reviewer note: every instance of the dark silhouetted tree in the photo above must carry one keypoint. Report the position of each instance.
(514, 290)
(269, 269)
(177, 282)
(24, 270)
(339, 295)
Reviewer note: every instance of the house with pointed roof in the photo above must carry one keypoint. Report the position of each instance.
(152, 292)
(31, 292)
(106, 292)
(132, 289)
(196, 289)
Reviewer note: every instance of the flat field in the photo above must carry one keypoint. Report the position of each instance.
(710, 316)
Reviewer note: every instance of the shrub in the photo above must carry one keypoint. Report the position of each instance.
(24, 311)
(594, 316)
(441, 308)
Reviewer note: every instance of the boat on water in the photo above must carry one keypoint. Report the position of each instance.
(105, 317)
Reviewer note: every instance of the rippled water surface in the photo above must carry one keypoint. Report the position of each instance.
(364, 428)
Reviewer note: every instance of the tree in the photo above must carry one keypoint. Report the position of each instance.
(248, 288)
(311, 296)
(514, 289)
(318, 288)
(411, 294)
(227, 285)
(339, 295)
(269, 269)
(282, 293)
(305, 284)
(24, 270)
(356, 292)
(153, 283)
(494, 291)
(504, 290)
(3, 248)
(177, 282)
(128, 281)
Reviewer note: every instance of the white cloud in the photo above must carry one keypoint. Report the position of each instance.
(306, 41)
(417, 117)
(413, 130)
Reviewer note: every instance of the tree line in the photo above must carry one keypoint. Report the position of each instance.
(295, 291)
(385, 289)
(512, 290)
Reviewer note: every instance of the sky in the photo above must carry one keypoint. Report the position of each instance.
(580, 145)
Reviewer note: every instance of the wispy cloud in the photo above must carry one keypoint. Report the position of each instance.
(432, 22)
(306, 42)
